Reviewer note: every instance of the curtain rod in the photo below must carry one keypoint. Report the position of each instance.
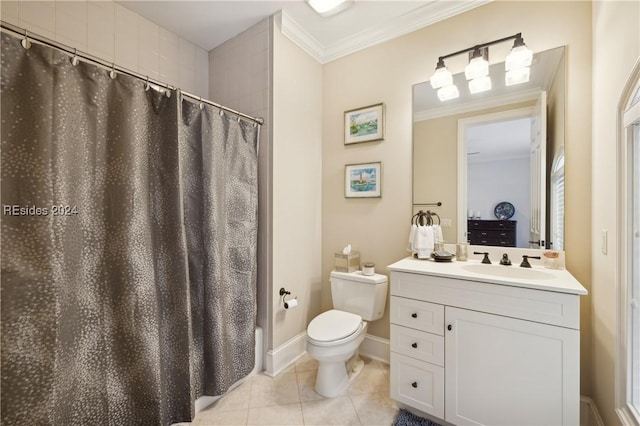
(110, 65)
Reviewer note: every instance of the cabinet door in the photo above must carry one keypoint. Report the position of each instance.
(505, 371)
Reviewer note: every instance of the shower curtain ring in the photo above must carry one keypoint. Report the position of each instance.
(167, 92)
(201, 103)
(25, 41)
(75, 60)
(147, 86)
(112, 73)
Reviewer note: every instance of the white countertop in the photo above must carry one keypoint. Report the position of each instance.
(558, 280)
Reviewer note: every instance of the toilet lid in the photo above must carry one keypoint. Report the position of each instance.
(333, 325)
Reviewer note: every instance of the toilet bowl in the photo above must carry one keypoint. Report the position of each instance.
(334, 337)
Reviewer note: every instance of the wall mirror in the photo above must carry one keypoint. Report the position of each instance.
(495, 160)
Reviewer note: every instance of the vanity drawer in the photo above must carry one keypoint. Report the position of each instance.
(417, 314)
(418, 384)
(546, 307)
(417, 344)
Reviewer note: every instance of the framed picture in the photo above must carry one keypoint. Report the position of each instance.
(364, 124)
(363, 180)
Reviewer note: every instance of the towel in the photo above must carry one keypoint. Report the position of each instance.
(437, 233)
(412, 236)
(423, 241)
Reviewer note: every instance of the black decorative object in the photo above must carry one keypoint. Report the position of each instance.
(504, 210)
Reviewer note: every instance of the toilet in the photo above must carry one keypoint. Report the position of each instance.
(333, 337)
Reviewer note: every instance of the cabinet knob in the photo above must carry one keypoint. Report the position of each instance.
(449, 327)
(414, 384)
(414, 315)
(414, 345)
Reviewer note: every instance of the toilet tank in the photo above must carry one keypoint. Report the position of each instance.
(359, 294)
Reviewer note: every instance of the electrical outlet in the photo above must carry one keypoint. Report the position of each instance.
(446, 223)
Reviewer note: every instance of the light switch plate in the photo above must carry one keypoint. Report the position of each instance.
(604, 241)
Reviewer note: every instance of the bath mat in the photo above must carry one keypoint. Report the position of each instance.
(406, 418)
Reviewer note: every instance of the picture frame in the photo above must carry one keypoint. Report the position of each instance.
(364, 124)
(363, 180)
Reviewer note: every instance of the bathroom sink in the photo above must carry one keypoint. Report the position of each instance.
(509, 272)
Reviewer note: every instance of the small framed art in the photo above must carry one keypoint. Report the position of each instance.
(363, 180)
(364, 124)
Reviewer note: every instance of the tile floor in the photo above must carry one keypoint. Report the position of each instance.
(289, 399)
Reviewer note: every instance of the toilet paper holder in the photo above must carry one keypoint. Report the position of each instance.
(288, 303)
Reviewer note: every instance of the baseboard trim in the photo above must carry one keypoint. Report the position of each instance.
(593, 416)
(376, 348)
(283, 356)
(625, 417)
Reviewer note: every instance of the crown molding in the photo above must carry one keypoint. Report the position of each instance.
(293, 31)
(419, 18)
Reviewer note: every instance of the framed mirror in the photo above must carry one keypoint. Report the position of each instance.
(493, 159)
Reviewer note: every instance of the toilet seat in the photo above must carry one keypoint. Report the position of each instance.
(332, 326)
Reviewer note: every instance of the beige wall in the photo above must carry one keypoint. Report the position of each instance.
(113, 33)
(386, 73)
(297, 182)
(616, 48)
(436, 179)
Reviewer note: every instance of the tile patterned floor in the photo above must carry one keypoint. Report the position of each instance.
(289, 399)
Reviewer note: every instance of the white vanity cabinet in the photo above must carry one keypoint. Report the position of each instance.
(483, 353)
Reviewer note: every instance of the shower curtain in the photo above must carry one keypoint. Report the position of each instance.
(129, 229)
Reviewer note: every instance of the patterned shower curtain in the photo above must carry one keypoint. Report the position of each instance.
(129, 227)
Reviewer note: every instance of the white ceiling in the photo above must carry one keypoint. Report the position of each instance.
(366, 22)
(499, 141)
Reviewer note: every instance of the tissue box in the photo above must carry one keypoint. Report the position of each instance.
(347, 262)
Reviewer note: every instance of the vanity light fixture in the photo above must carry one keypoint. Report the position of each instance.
(517, 68)
(327, 8)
